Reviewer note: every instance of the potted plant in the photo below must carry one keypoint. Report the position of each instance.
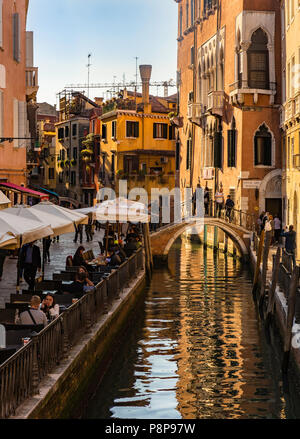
(73, 162)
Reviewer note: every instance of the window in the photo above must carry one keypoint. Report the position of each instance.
(73, 178)
(114, 129)
(132, 129)
(231, 146)
(60, 133)
(192, 12)
(218, 149)
(51, 173)
(74, 130)
(16, 37)
(75, 153)
(258, 61)
(66, 131)
(160, 131)
(177, 156)
(192, 55)
(104, 132)
(171, 132)
(189, 153)
(180, 22)
(60, 177)
(187, 14)
(263, 147)
(113, 165)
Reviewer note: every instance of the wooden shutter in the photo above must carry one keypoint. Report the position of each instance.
(136, 129)
(16, 122)
(231, 148)
(22, 119)
(16, 36)
(217, 150)
(165, 131)
(154, 130)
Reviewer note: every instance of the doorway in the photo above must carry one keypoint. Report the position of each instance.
(274, 206)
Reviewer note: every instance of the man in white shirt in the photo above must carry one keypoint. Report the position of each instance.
(277, 228)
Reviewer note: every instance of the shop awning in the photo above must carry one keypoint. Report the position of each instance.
(47, 191)
(24, 190)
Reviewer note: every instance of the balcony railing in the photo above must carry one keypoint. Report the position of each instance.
(215, 103)
(243, 85)
(292, 107)
(195, 112)
(31, 80)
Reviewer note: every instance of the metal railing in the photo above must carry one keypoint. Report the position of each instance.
(21, 374)
(234, 216)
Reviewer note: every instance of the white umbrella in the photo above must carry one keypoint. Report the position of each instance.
(58, 225)
(12, 230)
(120, 209)
(60, 212)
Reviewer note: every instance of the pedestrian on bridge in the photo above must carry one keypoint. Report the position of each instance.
(290, 243)
(229, 205)
(219, 199)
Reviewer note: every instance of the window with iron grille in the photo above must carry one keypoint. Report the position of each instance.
(160, 131)
(132, 129)
(258, 61)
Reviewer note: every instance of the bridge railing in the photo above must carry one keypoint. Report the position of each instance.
(21, 374)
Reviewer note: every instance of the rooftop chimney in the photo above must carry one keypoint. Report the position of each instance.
(98, 101)
(145, 72)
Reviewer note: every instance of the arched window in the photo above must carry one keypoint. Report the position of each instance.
(263, 147)
(258, 61)
(231, 145)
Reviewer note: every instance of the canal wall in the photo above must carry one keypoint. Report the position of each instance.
(61, 391)
(280, 315)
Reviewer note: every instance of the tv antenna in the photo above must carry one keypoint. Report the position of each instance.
(88, 67)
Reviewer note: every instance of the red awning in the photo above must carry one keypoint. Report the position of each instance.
(24, 190)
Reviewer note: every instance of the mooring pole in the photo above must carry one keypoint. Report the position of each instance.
(268, 237)
(258, 261)
(271, 295)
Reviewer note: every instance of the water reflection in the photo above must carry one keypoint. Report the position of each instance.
(196, 348)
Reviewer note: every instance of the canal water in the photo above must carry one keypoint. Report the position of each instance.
(195, 348)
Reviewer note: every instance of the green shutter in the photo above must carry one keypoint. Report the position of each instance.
(154, 131)
(217, 150)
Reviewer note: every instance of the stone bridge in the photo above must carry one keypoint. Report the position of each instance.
(164, 238)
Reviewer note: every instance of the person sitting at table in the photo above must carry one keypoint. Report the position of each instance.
(78, 259)
(130, 247)
(119, 251)
(33, 315)
(79, 286)
(50, 307)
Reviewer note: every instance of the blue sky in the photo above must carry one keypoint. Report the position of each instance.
(113, 31)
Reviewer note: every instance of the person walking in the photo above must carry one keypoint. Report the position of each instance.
(219, 199)
(206, 200)
(78, 233)
(290, 243)
(30, 261)
(277, 229)
(48, 242)
(229, 205)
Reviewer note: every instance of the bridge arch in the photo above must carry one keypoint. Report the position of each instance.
(162, 241)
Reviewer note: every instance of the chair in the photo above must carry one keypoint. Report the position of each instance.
(7, 316)
(69, 261)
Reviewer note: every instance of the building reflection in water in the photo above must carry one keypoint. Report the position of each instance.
(195, 347)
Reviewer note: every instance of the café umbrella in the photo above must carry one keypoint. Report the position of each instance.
(60, 212)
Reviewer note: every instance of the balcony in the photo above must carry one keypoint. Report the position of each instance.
(292, 108)
(238, 89)
(31, 81)
(195, 112)
(215, 103)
